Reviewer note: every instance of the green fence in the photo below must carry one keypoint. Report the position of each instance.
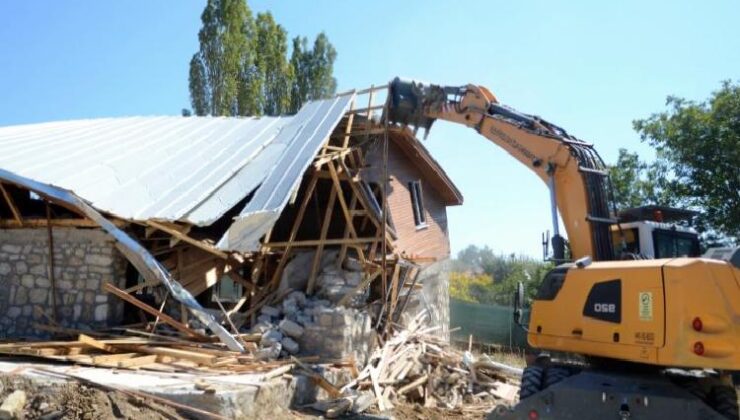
(489, 324)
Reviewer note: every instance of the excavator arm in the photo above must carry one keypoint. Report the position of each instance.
(573, 171)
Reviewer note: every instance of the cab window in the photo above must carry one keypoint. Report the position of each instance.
(669, 244)
(631, 241)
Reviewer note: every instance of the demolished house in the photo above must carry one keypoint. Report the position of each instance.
(206, 225)
(172, 259)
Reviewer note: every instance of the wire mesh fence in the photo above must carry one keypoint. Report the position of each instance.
(488, 324)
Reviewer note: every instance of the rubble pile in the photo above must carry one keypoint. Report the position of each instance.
(416, 367)
(317, 322)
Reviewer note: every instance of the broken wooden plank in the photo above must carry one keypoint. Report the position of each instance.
(148, 309)
(318, 379)
(418, 382)
(193, 356)
(89, 341)
(137, 362)
(185, 238)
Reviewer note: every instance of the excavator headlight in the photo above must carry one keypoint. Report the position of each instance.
(697, 324)
(699, 348)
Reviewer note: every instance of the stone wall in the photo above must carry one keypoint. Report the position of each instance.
(84, 259)
(338, 332)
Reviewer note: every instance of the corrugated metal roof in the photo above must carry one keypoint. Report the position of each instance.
(268, 202)
(190, 169)
(142, 167)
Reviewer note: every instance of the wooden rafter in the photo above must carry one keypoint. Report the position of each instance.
(320, 249)
(167, 228)
(293, 233)
(345, 208)
(11, 204)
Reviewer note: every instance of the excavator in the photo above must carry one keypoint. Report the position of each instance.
(654, 328)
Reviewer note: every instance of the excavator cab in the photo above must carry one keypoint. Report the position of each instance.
(650, 232)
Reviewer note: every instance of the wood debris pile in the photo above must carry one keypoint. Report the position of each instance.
(414, 366)
(136, 349)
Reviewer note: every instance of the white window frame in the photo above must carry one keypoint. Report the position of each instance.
(417, 204)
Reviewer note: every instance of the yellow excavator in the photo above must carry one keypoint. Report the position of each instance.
(657, 326)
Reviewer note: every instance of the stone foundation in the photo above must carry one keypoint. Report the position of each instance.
(339, 332)
(84, 259)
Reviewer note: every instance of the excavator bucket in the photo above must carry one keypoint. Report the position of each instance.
(409, 98)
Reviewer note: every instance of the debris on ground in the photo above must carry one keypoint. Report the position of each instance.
(77, 401)
(415, 367)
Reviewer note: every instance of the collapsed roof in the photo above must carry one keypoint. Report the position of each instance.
(192, 170)
(185, 169)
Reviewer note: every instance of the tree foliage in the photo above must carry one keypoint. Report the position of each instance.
(313, 70)
(700, 143)
(636, 182)
(481, 276)
(698, 155)
(242, 66)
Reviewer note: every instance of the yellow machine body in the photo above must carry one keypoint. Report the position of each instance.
(682, 312)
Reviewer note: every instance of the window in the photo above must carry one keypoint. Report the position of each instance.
(227, 290)
(670, 244)
(631, 240)
(417, 202)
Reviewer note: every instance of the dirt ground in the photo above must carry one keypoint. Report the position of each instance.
(76, 401)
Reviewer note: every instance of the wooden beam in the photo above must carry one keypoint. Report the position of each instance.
(185, 238)
(136, 362)
(11, 204)
(343, 250)
(345, 209)
(320, 248)
(148, 309)
(50, 265)
(394, 292)
(91, 342)
(350, 120)
(317, 242)
(371, 95)
(293, 232)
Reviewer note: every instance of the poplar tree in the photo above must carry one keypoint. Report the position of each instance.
(313, 69)
(242, 66)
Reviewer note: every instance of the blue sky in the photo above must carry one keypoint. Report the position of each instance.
(590, 67)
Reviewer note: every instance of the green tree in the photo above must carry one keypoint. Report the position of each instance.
(699, 145)
(222, 76)
(637, 183)
(242, 67)
(313, 71)
(274, 69)
(479, 275)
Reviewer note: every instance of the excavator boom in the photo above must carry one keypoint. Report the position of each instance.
(573, 171)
